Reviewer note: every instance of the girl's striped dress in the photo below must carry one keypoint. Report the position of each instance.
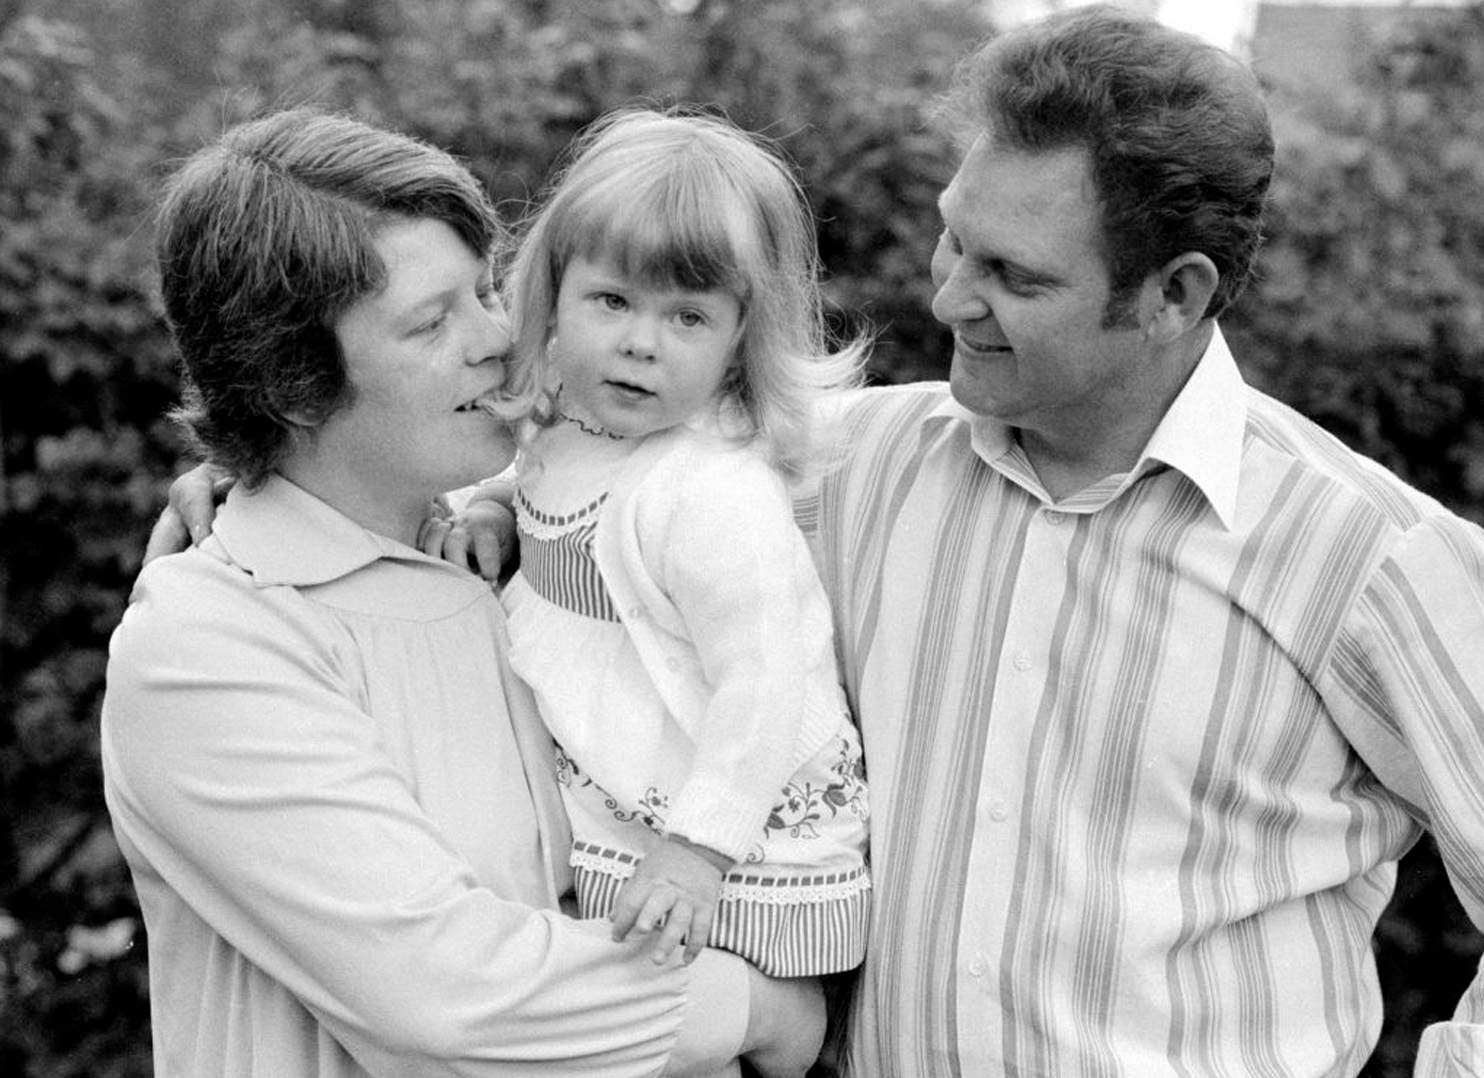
(797, 903)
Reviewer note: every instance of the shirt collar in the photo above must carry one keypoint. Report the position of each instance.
(282, 534)
(1200, 435)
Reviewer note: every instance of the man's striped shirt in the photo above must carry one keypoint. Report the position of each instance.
(1142, 760)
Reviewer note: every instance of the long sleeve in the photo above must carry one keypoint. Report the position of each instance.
(1408, 689)
(1142, 761)
(720, 541)
(292, 812)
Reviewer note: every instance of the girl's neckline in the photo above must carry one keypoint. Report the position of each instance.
(589, 428)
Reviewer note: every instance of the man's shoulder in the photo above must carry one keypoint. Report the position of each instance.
(1281, 437)
(876, 408)
(899, 395)
(881, 436)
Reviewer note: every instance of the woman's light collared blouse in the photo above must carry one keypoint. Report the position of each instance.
(339, 811)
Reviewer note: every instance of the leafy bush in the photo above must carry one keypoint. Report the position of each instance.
(1367, 316)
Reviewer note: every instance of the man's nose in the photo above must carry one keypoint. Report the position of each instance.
(956, 300)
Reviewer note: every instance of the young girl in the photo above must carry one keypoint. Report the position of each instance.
(666, 611)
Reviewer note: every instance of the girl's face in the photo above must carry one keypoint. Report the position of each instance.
(419, 354)
(634, 358)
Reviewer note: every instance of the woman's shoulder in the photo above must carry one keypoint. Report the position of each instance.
(198, 602)
(192, 584)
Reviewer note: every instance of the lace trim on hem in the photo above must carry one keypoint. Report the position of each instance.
(740, 885)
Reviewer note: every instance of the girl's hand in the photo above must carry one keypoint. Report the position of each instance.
(674, 889)
(481, 538)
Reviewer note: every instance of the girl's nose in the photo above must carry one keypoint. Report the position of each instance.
(639, 339)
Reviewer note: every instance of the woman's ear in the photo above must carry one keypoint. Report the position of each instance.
(299, 417)
(1186, 285)
(302, 417)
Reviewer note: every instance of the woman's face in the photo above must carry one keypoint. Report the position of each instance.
(419, 354)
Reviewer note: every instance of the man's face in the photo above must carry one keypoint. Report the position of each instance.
(1023, 282)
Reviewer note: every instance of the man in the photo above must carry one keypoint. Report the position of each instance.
(1156, 679)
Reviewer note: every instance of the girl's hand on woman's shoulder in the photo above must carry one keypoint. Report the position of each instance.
(479, 537)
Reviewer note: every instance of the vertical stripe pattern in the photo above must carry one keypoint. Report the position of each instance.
(1139, 775)
(787, 926)
(556, 557)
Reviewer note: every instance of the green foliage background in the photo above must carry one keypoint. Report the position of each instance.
(1367, 316)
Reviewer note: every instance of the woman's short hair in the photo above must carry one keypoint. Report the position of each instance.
(264, 238)
(1177, 132)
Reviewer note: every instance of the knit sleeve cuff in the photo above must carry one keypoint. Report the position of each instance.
(718, 817)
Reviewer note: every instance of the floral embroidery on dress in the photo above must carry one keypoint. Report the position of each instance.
(652, 805)
(566, 769)
(798, 814)
(803, 806)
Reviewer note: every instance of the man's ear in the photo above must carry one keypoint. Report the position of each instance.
(1186, 284)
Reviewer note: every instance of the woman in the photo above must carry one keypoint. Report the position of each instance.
(336, 802)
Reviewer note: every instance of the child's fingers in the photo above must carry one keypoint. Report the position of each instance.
(676, 924)
(700, 931)
(489, 555)
(456, 545)
(627, 907)
(432, 534)
(658, 908)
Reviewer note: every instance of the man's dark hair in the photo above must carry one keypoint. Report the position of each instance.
(1176, 130)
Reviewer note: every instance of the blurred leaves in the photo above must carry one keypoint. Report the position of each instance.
(98, 104)
(1369, 312)
(1368, 315)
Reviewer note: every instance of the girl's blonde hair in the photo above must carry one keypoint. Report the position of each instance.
(685, 199)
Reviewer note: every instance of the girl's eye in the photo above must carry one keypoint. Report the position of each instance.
(432, 325)
(691, 318)
(612, 300)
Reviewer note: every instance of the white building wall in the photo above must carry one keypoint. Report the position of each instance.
(1228, 23)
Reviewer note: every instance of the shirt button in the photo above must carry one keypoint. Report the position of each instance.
(1055, 516)
(978, 966)
(998, 810)
(672, 663)
(636, 612)
(1022, 660)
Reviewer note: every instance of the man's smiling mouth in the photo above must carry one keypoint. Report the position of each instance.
(982, 347)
